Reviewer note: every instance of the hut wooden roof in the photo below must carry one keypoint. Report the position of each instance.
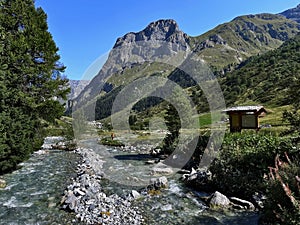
(253, 109)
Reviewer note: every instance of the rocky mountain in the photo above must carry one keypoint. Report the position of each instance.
(159, 41)
(292, 14)
(230, 43)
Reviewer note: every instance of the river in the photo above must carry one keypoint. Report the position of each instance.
(34, 192)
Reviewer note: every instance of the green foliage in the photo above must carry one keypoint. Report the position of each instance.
(30, 80)
(179, 115)
(104, 104)
(283, 192)
(108, 141)
(80, 124)
(205, 119)
(173, 124)
(197, 155)
(61, 127)
(293, 116)
(243, 162)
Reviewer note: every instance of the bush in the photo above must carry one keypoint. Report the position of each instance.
(108, 141)
(243, 162)
(283, 193)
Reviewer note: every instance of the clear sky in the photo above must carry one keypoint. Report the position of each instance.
(84, 30)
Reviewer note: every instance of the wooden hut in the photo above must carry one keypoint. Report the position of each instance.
(244, 117)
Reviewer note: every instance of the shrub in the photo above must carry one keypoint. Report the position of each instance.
(283, 193)
(108, 141)
(243, 162)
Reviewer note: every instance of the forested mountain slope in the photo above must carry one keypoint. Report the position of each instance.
(265, 78)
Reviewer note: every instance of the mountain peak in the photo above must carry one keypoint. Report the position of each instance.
(166, 25)
(160, 30)
(292, 14)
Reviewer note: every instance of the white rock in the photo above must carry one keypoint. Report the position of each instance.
(135, 194)
(245, 204)
(219, 200)
(166, 207)
(161, 168)
(78, 191)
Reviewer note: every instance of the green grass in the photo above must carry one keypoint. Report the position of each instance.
(62, 127)
(128, 75)
(274, 116)
(109, 142)
(205, 119)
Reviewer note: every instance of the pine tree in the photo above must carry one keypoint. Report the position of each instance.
(30, 80)
(176, 120)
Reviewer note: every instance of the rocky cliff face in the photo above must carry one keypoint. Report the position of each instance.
(159, 40)
(76, 87)
(292, 14)
(161, 30)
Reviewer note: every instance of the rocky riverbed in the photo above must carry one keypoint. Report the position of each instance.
(97, 199)
(85, 196)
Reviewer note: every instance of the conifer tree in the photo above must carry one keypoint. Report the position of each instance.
(30, 80)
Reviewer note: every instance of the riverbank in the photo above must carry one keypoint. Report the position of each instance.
(85, 195)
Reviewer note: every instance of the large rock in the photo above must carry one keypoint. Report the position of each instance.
(259, 199)
(157, 183)
(2, 183)
(135, 194)
(161, 168)
(200, 176)
(218, 200)
(242, 204)
(72, 201)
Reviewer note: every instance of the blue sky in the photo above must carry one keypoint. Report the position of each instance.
(85, 30)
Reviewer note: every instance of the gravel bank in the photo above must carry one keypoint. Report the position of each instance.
(85, 196)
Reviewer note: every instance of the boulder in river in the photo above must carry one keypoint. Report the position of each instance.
(161, 168)
(135, 194)
(242, 204)
(72, 202)
(218, 200)
(158, 183)
(2, 183)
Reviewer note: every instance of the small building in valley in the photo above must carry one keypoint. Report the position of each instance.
(244, 117)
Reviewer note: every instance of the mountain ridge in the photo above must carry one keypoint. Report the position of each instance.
(265, 79)
(292, 14)
(223, 48)
(232, 42)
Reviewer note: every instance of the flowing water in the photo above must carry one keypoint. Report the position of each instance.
(34, 192)
(175, 205)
